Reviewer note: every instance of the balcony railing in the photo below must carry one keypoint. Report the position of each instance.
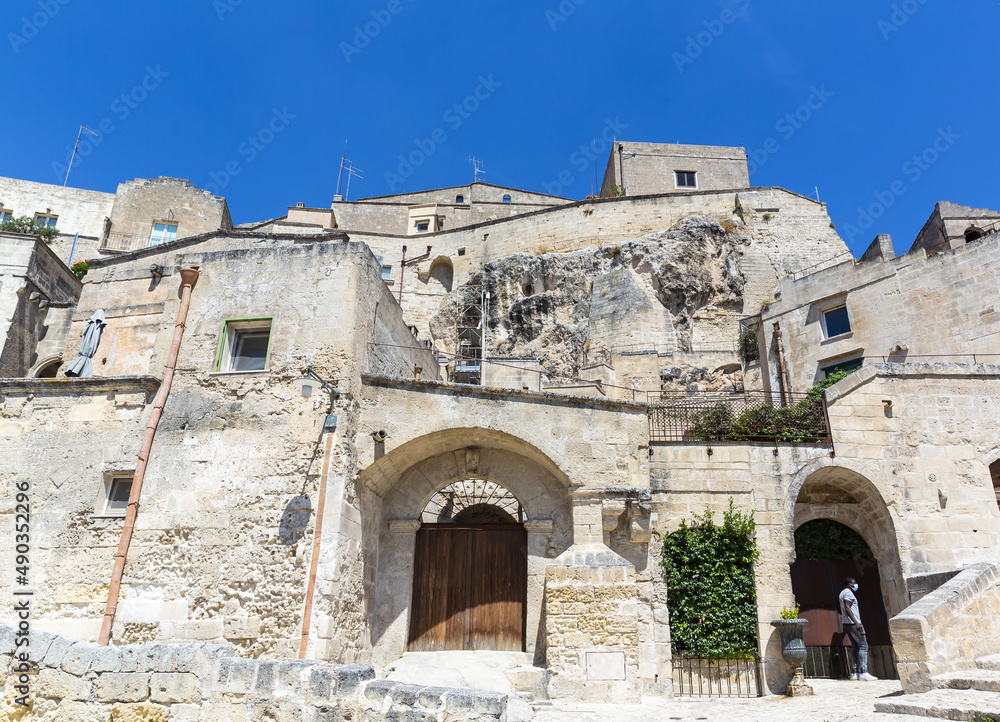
(753, 416)
(124, 242)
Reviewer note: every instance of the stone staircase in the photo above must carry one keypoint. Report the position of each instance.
(969, 696)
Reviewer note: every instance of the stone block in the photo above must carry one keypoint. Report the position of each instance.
(79, 657)
(123, 687)
(60, 685)
(241, 627)
(266, 672)
(106, 659)
(172, 688)
(139, 713)
(56, 652)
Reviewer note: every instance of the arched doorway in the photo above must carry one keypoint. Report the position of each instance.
(470, 570)
(826, 552)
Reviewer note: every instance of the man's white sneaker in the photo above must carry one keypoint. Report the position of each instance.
(868, 677)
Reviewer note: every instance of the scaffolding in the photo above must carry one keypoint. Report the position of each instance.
(470, 335)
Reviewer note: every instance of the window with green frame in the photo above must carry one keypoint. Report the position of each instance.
(852, 365)
(245, 344)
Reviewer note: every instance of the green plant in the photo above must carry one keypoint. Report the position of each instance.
(708, 570)
(832, 225)
(29, 226)
(790, 612)
(616, 191)
(748, 349)
(767, 217)
(79, 269)
(828, 539)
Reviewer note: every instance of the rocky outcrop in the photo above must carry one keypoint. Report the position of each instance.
(652, 291)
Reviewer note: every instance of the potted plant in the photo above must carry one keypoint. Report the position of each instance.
(793, 648)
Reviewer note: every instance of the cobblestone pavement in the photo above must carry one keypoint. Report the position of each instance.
(834, 701)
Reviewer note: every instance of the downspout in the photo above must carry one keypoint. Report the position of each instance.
(621, 167)
(188, 278)
(785, 390)
(317, 543)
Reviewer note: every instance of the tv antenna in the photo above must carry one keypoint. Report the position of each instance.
(76, 148)
(345, 164)
(477, 166)
(352, 171)
(817, 192)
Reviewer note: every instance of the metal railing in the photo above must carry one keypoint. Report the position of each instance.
(699, 677)
(123, 242)
(749, 416)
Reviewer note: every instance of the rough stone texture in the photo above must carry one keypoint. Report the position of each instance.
(78, 210)
(899, 309)
(948, 224)
(36, 293)
(944, 704)
(142, 202)
(948, 629)
(649, 168)
(225, 688)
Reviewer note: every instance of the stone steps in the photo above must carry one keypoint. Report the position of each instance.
(950, 704)
(990, 662)
(981, 680)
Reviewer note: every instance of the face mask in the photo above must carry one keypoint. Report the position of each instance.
(855, 587)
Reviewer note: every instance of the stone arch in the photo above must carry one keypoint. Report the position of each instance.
(841, 492)
(409, 476)
(973, 233)
(47, 368)
(443, 272)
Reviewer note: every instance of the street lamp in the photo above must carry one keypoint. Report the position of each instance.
(306, 384)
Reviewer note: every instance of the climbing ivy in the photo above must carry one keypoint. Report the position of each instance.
(828, 539)
(708, 570)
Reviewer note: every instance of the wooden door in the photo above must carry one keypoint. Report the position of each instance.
(470, 585)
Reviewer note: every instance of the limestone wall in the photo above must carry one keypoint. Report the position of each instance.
(787, 232)
(61, 679)
(650, 167)
(946, 227)
(78, 210)
(947, 630)
(32, 279)
(142, 202)
(933, 306)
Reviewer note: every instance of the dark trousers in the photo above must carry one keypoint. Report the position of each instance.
(859, 648)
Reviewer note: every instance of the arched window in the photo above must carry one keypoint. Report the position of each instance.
(473, 501)
(506, 199)
(995, 476)
(460, 199)
(442, 272)
(973, 234)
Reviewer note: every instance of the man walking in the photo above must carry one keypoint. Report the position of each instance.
(851, 616)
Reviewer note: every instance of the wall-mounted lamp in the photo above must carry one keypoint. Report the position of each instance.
(306, 384)
(887, 403)
(380, 435)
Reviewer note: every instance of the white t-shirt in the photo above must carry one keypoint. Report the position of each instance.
(847, 595)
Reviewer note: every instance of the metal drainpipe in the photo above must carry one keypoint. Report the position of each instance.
(785, 390)
(317, 543)
(621, 167)
(188, 278)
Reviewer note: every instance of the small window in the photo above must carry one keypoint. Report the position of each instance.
(836, 322)
(5, 215)
(386, 273)
(116, 496)
(45, 220)
(461, 251)
(973, 234)
(423, 226)
(686, 178)
(506, 199)
(163, 232)
(849, 366)
(460, 199)
(245, 345)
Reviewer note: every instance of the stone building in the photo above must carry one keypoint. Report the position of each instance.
(640, 169)
(330, 462)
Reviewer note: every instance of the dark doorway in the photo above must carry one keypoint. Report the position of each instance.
(470, 587)
(827, 552)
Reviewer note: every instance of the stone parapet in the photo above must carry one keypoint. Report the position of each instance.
(69, 679)
(948, 629)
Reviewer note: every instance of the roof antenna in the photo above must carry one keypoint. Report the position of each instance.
(76, 148)
(343, 164)
(817, 193)
(352, 171)
(477, 166)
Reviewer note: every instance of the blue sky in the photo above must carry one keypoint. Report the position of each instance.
(255, 99)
